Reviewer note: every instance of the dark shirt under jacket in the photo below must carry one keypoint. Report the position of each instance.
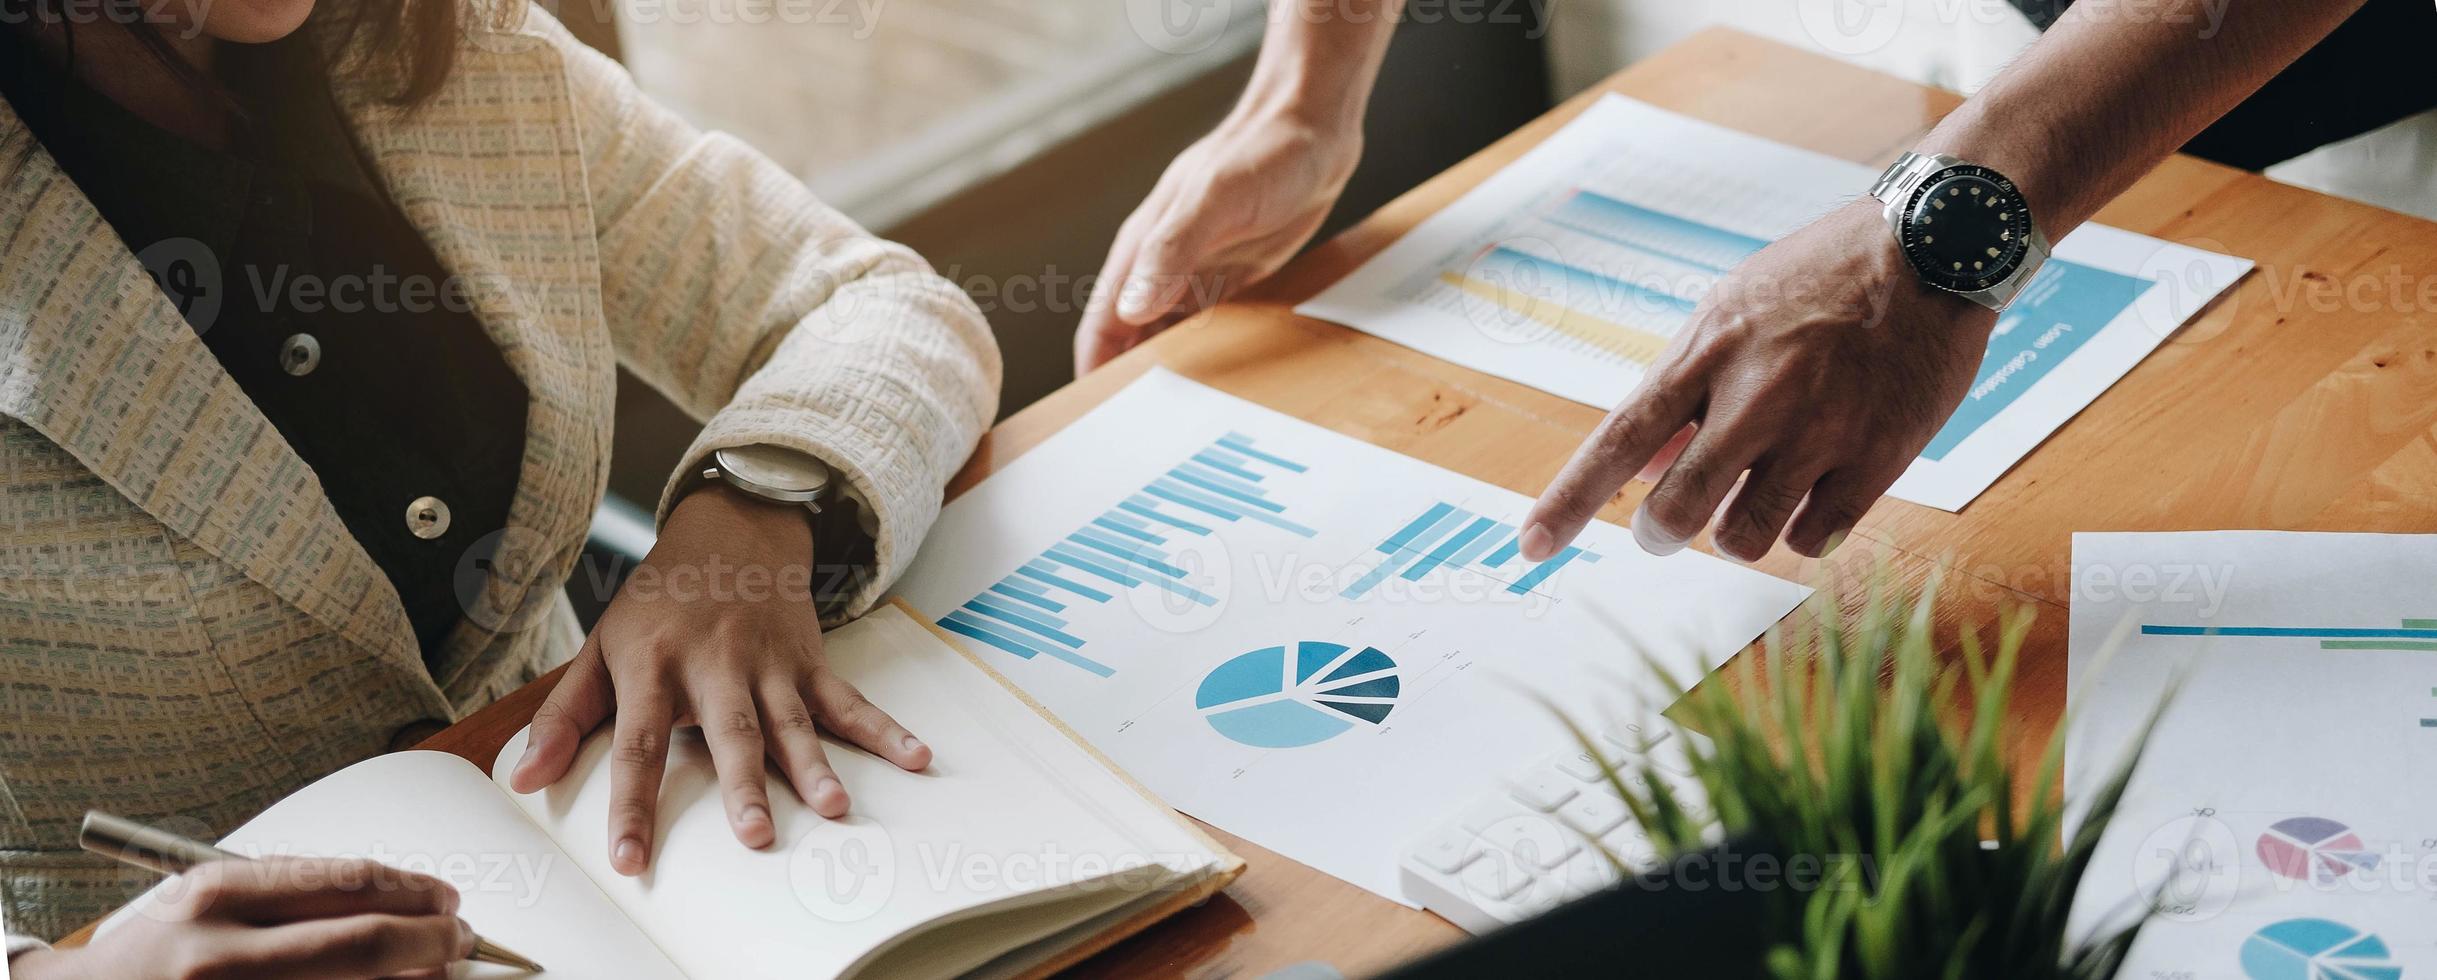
(2371, 71)
(326, 306)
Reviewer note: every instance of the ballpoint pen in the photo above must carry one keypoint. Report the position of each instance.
(159, 850)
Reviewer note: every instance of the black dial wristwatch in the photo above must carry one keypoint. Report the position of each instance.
(1964, 227)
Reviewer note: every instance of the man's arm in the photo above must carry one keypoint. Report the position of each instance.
(1822, 365)
(2114, 88)
(1319, 59)
(1236, 205)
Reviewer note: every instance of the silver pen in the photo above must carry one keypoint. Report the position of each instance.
(159, 850)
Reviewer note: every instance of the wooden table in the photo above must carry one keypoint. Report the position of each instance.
(2277, 407)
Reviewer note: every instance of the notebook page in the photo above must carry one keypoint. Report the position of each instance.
(435, 813)
(1010, 806)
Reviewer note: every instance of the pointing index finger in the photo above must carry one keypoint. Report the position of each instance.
(1615, 451)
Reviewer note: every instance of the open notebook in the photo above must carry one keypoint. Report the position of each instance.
(1018, 852)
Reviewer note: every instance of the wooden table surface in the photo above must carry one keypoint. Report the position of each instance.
(2303, 399)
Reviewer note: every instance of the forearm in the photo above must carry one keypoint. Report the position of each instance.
(2112, 89)
(1319, 59)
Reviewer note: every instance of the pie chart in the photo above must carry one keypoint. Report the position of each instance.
(2314, 849)
(2317, 949)
(1277, 698)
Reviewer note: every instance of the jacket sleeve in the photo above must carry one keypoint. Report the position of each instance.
(776, 319)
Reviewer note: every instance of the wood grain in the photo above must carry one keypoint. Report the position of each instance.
(2271, 409)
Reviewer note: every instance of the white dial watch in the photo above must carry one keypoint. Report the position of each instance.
(784, 476)
(773, 473)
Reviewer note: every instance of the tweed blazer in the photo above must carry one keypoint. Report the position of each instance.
(187, 630)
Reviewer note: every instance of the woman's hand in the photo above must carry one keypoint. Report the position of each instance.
(1229, 211)
(1820, 367)
(709, 632)
(279, 919)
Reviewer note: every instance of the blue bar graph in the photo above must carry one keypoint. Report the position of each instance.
(1047, 574)
(1445, 535)
(1540, 572)
(1448, 549)
(1129, 546)
(1654, 232)
(1496, 532)
(1029, 598)
(1228, 463)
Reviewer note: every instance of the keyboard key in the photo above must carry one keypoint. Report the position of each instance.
(1635, 739)
(1448, 849)
(1539, 842)
(1543, 895)
(1690, 796)
(1582, 766)
(1587, 871)
(1488, 811)
(1545, 833)
(1595, 812)
(1631, 845)
(1671, 758)
(1496, 878)
(1543, 790)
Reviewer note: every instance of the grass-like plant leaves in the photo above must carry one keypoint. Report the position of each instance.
(1857, 746)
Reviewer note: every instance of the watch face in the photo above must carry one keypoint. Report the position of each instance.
(1966, 229)
(775, 471)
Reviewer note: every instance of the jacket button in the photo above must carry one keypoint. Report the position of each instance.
(427, 517)
(300, 354)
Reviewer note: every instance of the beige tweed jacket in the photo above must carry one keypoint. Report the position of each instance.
(187, 630)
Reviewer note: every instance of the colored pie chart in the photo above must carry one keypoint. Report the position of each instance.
(2317, 949)
(2314, 849)
(1282, 698)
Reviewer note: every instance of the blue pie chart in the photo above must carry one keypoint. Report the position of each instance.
(2317, 949)
(1282, 698)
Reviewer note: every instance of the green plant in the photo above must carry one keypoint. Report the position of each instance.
(1851, 749)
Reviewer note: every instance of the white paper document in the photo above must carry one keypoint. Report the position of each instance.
(2283, 815)
(1309, 641)
(1570, 269)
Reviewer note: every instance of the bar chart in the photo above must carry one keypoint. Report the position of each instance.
(1128, 546)
(1653, 231)
(1617, 278)
(1448, 536)
(1558, 296)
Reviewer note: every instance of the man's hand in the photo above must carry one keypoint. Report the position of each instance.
(279, 919)
(709, 632)
(1228, 212)
(1820, 367)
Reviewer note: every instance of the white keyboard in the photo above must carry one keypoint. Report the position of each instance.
(1545, 837)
